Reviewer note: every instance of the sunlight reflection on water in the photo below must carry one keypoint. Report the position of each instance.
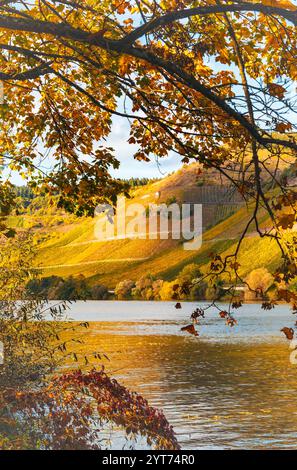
(229, 388)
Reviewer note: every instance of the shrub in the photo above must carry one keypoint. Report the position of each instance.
(259, 280)
(69, 411)
(167, 291)
(215, 290)
(147, 288)
(99, 292)
(198, 291)
(123, 289)
(189, 272)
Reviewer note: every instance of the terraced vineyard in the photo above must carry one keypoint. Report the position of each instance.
(72, 249)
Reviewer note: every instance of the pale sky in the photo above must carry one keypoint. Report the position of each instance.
(124, 152)
(129, 167)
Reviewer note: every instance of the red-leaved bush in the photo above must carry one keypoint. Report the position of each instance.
(71, 412)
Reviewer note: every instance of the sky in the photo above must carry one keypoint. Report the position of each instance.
(118, 140)
(133, 168)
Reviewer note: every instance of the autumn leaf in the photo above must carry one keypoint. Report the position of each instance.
(288, 332)
(196, 314)
(276, 90)
(286, 295)
(279, 3)
(231, 321)
(141, 156)
(237, 304)
(286, 221)
(283, 126)
(190, 329)
(223, 314)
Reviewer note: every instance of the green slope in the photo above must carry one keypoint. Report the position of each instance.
(75, 250)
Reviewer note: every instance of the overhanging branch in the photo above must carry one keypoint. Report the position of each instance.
(123, 46)
(208, 10)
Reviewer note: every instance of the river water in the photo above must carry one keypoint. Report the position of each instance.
(229, 388)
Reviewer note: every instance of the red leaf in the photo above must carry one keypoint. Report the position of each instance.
(190, 329)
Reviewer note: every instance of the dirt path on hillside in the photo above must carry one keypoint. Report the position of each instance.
(86, 263)
(128, 260)
(142, 234)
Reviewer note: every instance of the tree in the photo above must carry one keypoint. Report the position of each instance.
(39, 411)
(259, 280)
(167, 291)
(99, 292)
(30, 329)
(189, 272)
(124, 288)
(210, 81)
(198, 291)
(147, 288)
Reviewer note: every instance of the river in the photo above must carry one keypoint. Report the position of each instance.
(229, 388)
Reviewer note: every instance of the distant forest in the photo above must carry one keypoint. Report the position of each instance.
(27, 194)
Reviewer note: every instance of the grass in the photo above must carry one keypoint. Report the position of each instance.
(75, 252)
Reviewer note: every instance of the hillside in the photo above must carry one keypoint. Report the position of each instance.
(67, 245)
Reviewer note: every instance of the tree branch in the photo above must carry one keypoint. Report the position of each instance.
(122, 46)
(203, 11)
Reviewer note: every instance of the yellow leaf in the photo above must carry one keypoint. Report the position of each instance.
(280, 4)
